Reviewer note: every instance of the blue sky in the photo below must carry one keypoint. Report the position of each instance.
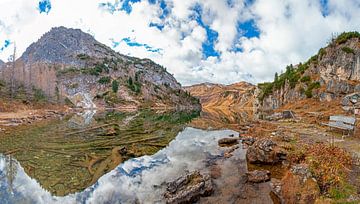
(221, 41)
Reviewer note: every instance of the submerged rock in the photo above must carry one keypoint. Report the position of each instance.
(229, 141)
(258, 176)
(265, 151)
(188, 188)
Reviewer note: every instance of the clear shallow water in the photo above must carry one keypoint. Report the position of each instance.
(138, 179)
(70, 154)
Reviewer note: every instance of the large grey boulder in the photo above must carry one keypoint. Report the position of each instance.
(265, 151)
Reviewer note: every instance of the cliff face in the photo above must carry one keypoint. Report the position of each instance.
(216, 96)
(70, 65)
(331, 74)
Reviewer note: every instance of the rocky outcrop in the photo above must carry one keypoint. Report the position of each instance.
(65, 62)
(265, 151)
(331, 74)
(258, 176)
(298, 186)
(188, 188)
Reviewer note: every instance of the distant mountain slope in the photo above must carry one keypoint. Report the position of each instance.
(216, 96)
(70, 65)
(331, 74)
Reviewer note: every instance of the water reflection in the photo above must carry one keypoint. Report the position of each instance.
(138, 179)
(66, 160)
(82, 119)
(217, 119)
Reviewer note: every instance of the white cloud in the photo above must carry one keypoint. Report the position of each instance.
(290, 31)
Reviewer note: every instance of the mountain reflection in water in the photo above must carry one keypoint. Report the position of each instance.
(66, 156)
(104, 157)
(136, 180)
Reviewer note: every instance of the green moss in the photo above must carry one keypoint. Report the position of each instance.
(266, 90)
(73, 86)
(302, 68)
(104, 80)
(305, 79)
(39, 95)
(321, 52)
(83, 56)
(311, 87)
(134, 86)
(342, 191)
(115, 86)
(345, 36)
(70, 70)
(348, 50)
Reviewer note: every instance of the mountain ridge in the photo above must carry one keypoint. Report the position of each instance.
(68, 64)
(237, 96)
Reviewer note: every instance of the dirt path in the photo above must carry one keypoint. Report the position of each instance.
(313, 133)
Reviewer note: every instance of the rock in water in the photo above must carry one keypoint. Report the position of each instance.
(258, 176)
(265, 151)
(188, 188)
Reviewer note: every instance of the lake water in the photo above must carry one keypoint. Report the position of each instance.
(112, 157)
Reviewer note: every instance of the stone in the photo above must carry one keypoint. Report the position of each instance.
(265, 151)
(298, 186)
(288, 114)
(258, 176)
(188, 188)
(228, 141)
(248, 140)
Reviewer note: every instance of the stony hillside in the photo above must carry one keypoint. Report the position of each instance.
(331, 74)
(216, 96)
(70, 66)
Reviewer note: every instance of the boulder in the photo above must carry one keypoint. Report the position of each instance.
(228, 141)
(288, 114)
(188, 188)
(265, 151)
(298, 186)
(248, 140)
(258, 176)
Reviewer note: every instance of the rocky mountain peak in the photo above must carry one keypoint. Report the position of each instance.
(62, 45)
(331, 74)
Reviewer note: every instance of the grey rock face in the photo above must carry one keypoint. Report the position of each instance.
(337, 71)
(62, 46)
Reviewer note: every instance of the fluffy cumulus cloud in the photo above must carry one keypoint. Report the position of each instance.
(222, 41)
